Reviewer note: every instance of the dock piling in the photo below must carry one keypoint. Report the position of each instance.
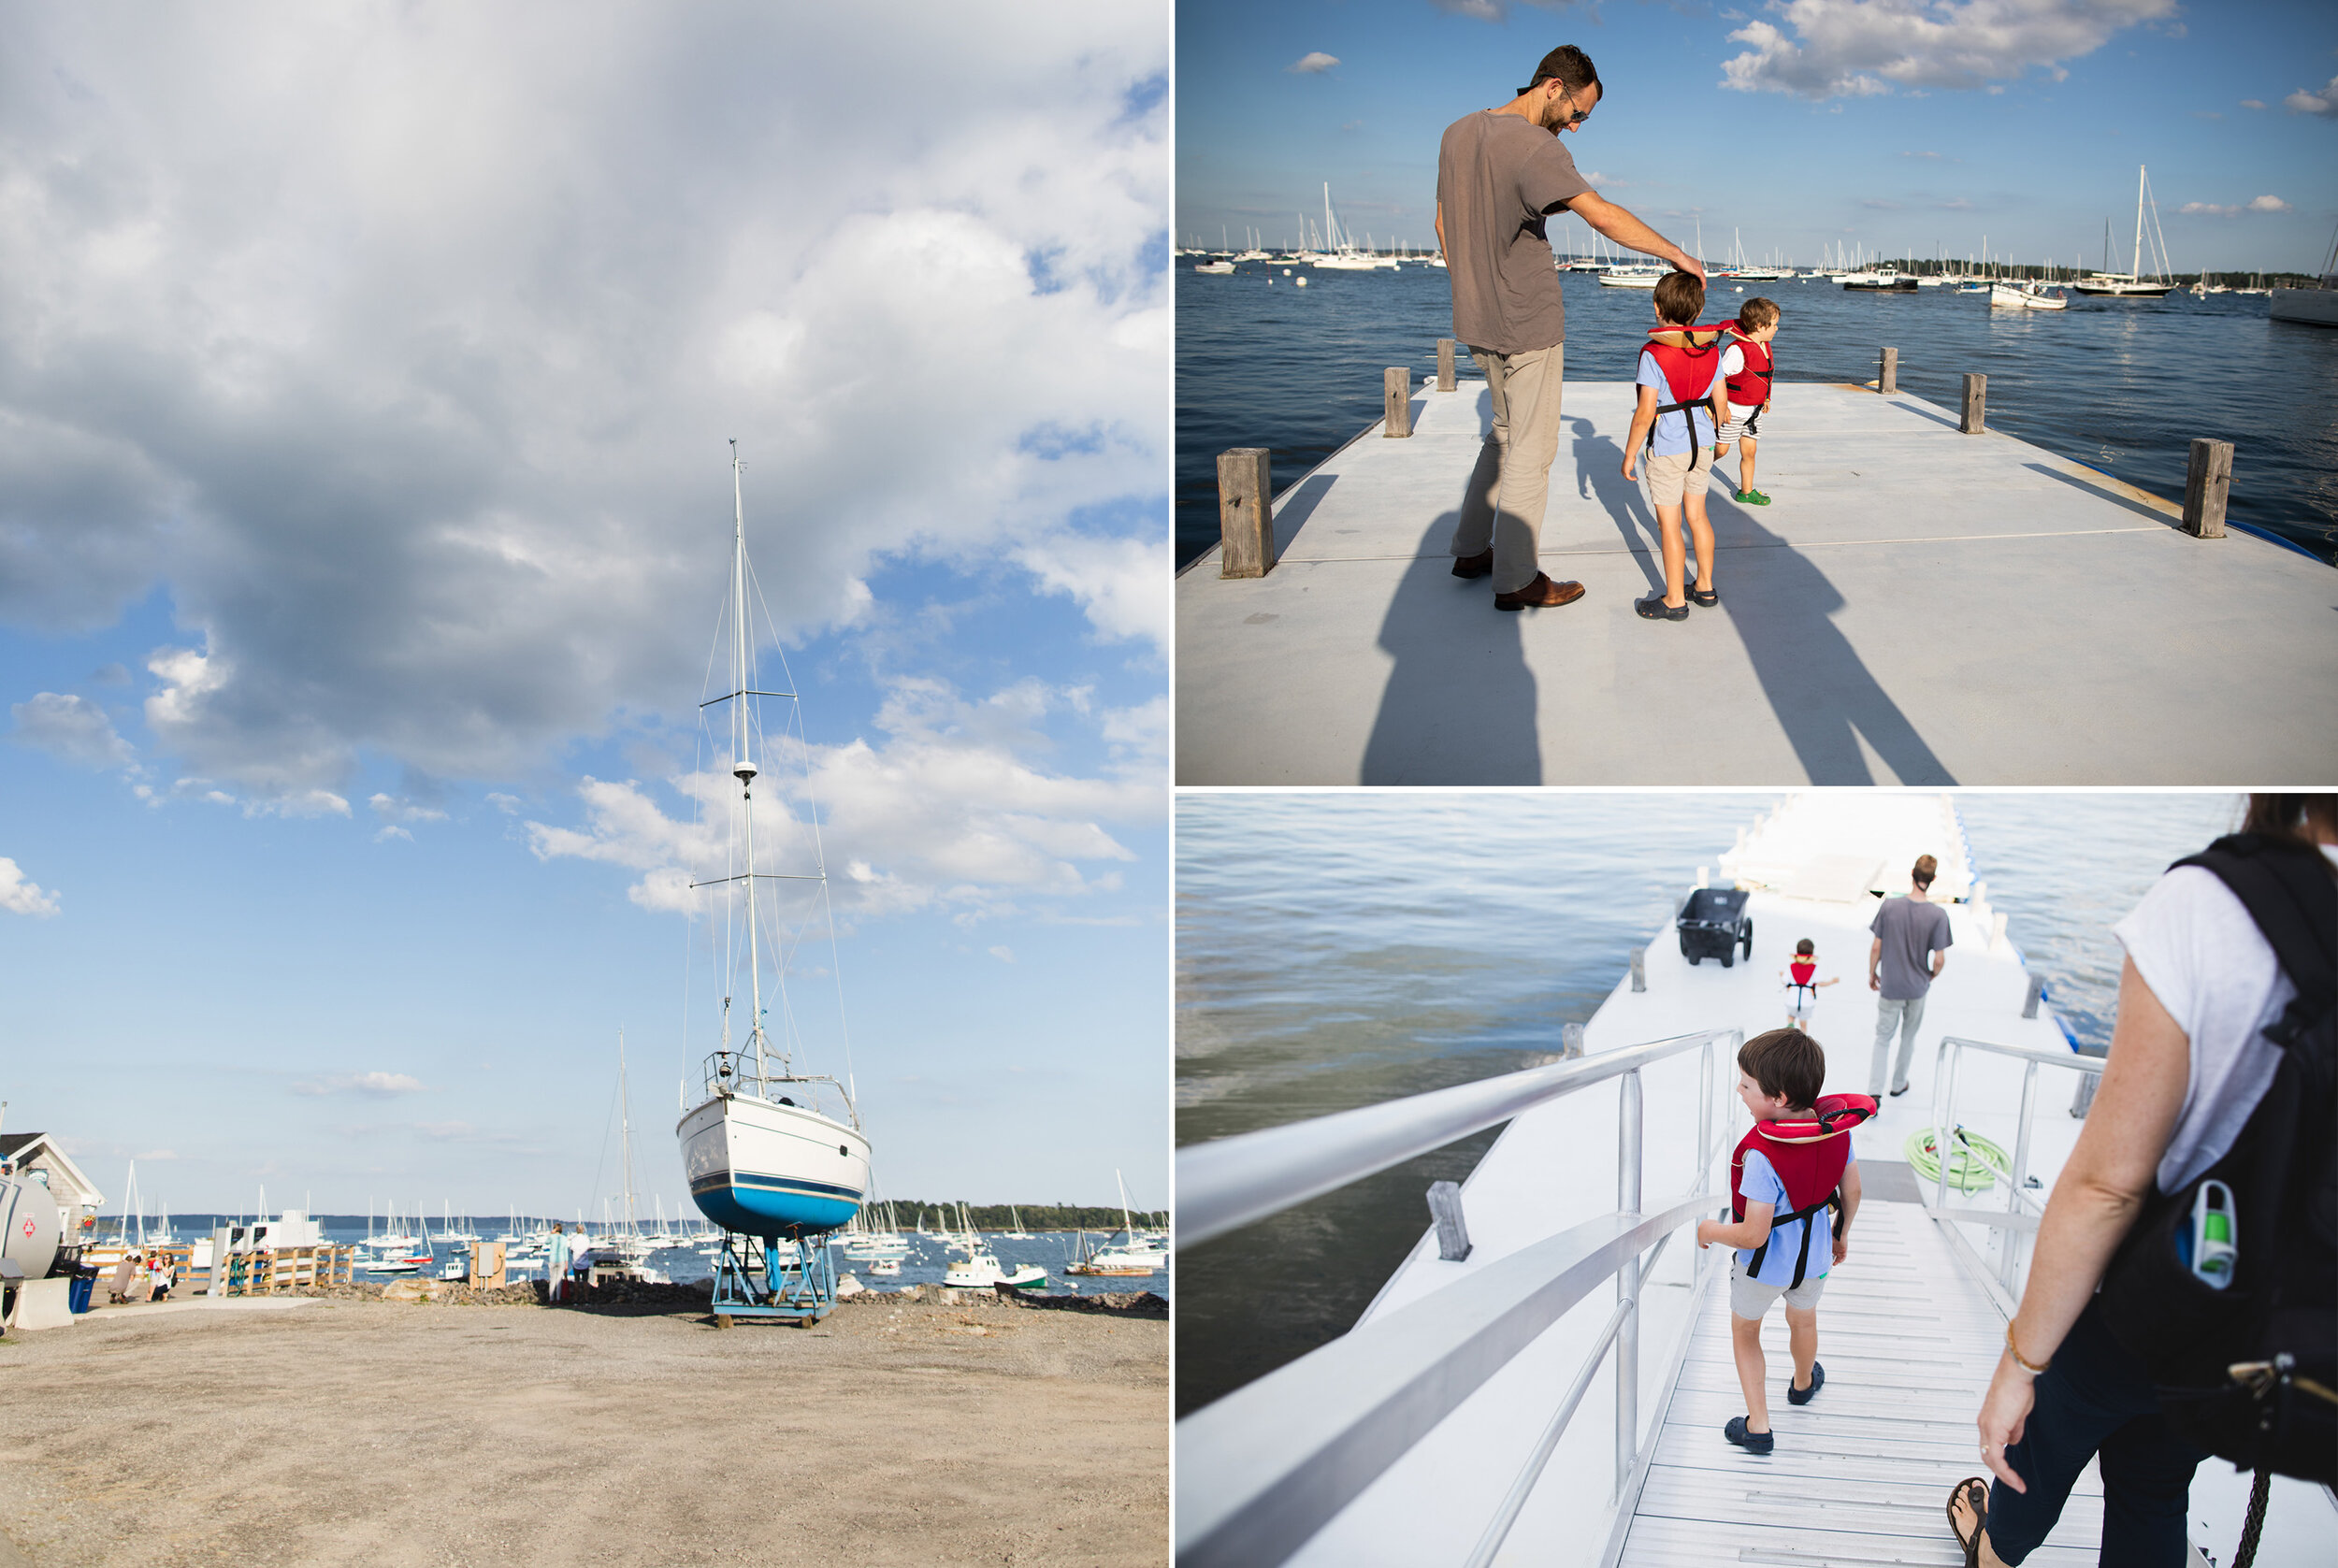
(1640, 968)
(1976, 404)
(1887, 373)
(1397, 396)
(1246, 512)
(1570, 1041)
(2206, 483)
(1452, 1232)
(2030, 1003)
(1444, 365)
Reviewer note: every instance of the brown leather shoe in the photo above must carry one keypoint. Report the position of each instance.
(1474, 566)
(1541, 594)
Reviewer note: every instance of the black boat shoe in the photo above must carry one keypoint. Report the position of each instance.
(1802, 1396)
(1752, 1441)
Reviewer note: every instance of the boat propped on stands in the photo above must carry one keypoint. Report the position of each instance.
(774, 1154)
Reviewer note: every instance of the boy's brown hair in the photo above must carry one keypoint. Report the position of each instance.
(1785, 1062)
(1805, 945)
(1757, 313)
(1679, 297)
(1925, 869)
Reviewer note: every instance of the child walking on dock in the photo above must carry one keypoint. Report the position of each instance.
(1746, 366)
(1802, 983)
(1680, 382)
(1784, 1178)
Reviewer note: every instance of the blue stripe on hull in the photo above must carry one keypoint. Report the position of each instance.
(757, 1211)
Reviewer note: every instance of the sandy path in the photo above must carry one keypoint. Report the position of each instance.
(392, 1434)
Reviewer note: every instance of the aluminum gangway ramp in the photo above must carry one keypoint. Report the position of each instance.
(1861, 1474)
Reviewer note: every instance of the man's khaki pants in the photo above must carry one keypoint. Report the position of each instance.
(1512, 483)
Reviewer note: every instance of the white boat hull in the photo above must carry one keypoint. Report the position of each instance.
(765, 1169)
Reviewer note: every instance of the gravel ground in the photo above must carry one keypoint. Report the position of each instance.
(386, 1433)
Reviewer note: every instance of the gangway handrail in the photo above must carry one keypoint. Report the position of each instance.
(1264, 1469)
(1228, 1183)
(1944, 1125)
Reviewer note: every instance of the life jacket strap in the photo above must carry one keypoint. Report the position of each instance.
(1802, 1259)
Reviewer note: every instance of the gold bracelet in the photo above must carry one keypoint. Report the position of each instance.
(2014, 1350)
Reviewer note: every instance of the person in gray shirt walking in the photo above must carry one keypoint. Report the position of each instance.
(1910, 949)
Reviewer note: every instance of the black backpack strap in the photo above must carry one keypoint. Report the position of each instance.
(2290, 892)
(1802, 1257)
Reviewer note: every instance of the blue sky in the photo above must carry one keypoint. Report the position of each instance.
(1899, 125)
(365, 512)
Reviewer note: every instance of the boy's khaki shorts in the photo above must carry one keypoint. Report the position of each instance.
(1751, 1298)
(1669, 476)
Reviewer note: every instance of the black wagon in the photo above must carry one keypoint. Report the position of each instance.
(1714, 925)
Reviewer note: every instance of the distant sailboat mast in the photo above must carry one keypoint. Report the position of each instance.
(742, 762)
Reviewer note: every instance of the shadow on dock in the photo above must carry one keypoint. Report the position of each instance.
(1825, 696)
(2127, 502)
(1600, 476)
(1456, 709)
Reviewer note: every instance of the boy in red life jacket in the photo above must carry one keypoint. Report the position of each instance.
(1747, 365)
(1680, 407)
(1802, 983)
(1784, 1175)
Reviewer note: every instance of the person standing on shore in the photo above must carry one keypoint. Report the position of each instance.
(555, 1264)
(1500, 173)
(1910, 949)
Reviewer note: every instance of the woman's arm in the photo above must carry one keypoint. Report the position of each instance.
(2095, 1199)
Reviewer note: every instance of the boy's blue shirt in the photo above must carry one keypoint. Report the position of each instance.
(1761, 1185)
(1672, 431)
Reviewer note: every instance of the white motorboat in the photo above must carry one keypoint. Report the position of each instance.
(1219, 267)
(1634, 275)
(2025, 296)
(769, 1151)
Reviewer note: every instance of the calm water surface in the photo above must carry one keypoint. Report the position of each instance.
(1337, 950)
(2121, 385)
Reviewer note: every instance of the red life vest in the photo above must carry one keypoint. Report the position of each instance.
(1688, 357)
(1809, 1154)
(1750, 387)
(1803, 969)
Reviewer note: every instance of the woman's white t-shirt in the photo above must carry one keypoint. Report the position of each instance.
(2195, 945)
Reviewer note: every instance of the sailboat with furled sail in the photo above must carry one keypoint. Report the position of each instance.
(776, 1155)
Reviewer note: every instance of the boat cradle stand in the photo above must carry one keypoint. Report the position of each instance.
(786, 1279)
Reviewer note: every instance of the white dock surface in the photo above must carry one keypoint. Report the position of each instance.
(1918, 606)
(1861, 1472)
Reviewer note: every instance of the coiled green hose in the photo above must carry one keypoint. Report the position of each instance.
(1976, 1163)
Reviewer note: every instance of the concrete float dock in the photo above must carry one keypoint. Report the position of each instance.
(1919, 606)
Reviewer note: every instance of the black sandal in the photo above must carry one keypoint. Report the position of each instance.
(1653, 608)
(1702, 597)
(1974, 1490)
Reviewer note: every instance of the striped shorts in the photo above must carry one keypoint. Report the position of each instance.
(1742, 422)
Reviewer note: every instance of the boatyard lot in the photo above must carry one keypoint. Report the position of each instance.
(348, 1432)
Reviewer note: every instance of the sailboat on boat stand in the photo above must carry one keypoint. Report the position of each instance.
(774, 1156)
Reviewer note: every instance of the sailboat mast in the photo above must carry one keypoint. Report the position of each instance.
(2137, 273)
(742, 764)
(624, 1131)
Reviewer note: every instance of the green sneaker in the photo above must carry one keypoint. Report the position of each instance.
(1752, 498)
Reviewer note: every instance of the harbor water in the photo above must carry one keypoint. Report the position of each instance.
(927, 1260)
(1339, 950)
(2123, 386)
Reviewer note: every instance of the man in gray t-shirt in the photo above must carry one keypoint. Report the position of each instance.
(1911, 948)
(1500, 173)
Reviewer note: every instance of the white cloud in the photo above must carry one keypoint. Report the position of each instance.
(20, 897)
(2252, 103)
(395, 808)
(1311, 62)
(1122, 583)
(1004, 954)
(1837, 49)
(401, 345)
(71, 728)
(1484, 10)
(953, 808)
(378, 1085)
(2256, 204)
(2305, 101)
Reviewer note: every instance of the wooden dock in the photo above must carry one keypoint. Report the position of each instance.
(1920, 606)
(1860, 1474)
